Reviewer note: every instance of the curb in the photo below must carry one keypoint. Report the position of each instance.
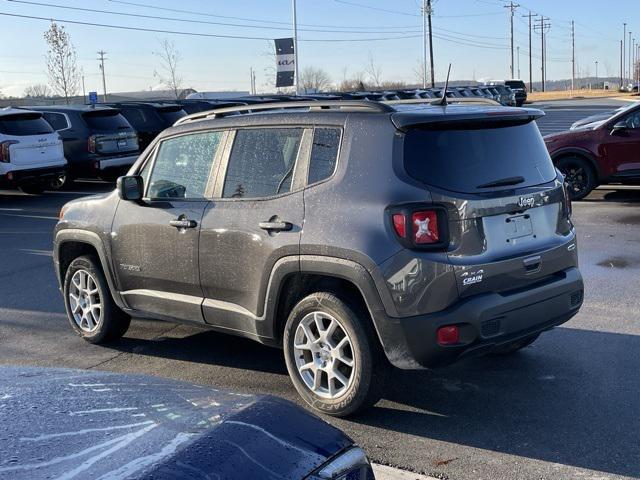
(382, 472)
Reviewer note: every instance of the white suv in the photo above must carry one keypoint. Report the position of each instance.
(30, 150)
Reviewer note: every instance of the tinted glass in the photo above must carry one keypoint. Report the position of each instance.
(461, 160)
(56, 120)
(24, 124)
(633, 120)
(106, 120)
(135, 117)
(169, 116)
(515, 84)
(324, 154)
(183, 165)
(262, 162)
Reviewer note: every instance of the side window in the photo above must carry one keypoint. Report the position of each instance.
(56, 120)
(262, 162)
(324, 154)
(633, 120)
(183, 166)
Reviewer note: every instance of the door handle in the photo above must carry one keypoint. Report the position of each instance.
(277, 226)
(183, 223)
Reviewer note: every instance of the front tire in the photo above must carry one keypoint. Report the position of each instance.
(579, 176)
(91, 311)
(332, 355)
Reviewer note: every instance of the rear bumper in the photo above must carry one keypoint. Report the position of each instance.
(485, 321)
(115, 162)
(30, 175)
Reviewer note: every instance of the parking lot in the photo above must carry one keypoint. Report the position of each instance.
(566, 407)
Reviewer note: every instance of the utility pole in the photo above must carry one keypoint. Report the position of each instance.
(624, 51)
(544, 27)
(596, 82)
(102, 53)
(621, 62)
(573, 56)
(512, 8)
(424, 43)
(429, 13)
(629, 55)
(519, 61)
(84, 96)
(295, 47)
(530, 15)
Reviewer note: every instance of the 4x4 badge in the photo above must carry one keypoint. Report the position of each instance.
(526, 201)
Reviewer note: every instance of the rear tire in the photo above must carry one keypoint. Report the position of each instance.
(579, 176)
(333, 356)
(91, 311)
(511, 348)
(61, 181)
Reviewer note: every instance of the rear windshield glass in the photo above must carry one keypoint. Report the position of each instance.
(514, 84)
(170, 115)
(462, 160)
(106, 120)
(24, 124)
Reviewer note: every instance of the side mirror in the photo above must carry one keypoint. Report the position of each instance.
(130, 187)
(619, 128)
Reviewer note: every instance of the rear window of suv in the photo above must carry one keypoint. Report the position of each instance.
(106, 120)
(24, 124)
(515, 84)
(461, 160)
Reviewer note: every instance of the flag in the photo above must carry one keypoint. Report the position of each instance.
(285, 62)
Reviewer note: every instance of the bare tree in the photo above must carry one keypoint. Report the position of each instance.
(355, 83)
(373, 71)
(64, 77)
(39, 90)
(315, 79)
(170, 59)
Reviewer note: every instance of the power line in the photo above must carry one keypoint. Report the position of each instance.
(197, 34)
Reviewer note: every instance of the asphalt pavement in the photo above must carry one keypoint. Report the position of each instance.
(564, 408)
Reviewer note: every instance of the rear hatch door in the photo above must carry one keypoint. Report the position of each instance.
(32, 141)
(110, 132)
(507, 214)
(170, 114)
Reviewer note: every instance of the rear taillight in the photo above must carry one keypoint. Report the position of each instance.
(424, 225)
(420, 226)
(91, 144)
(5, 150)
(567, 201)
(449, 335)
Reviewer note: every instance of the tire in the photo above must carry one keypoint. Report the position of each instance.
(579, 176)
(510, 348)
(32, 188)
(365, 377)
(101, 324)
(61, 181)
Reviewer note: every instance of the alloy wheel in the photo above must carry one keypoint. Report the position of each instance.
(84, 301)
(324, 355)
(577, 179)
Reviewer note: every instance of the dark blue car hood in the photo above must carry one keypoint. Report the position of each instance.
(95, 425)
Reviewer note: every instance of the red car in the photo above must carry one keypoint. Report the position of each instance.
(606, 150)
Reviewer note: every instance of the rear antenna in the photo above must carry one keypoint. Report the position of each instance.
(443, 101)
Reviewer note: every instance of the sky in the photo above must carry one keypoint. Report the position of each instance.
(339, 36)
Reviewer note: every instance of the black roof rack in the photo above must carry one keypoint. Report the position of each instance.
(347, 105)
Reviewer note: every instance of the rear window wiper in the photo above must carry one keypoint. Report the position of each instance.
(503, 182)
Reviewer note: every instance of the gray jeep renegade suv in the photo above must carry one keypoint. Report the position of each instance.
(352, 234)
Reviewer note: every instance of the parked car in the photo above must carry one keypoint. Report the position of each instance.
(98, 141)
(430, 234)
(88, 424)
(31, 153)
(149, 119)
(604, 151)
(519, 89)
(195, 106)
(506, 96)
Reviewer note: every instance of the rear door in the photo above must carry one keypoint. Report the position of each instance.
(31, 140)
(111, 134)
(255, 220)
(505, 207)
(155, 241)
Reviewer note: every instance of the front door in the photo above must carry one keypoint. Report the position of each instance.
(255, 219)
(155, 241)
(622, 148)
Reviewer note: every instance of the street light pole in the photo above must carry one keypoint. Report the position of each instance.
(596, 74)
(295, 48)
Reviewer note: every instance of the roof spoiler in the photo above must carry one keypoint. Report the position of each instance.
(503, 116)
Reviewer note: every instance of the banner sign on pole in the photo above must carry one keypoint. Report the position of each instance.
(285, 62)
